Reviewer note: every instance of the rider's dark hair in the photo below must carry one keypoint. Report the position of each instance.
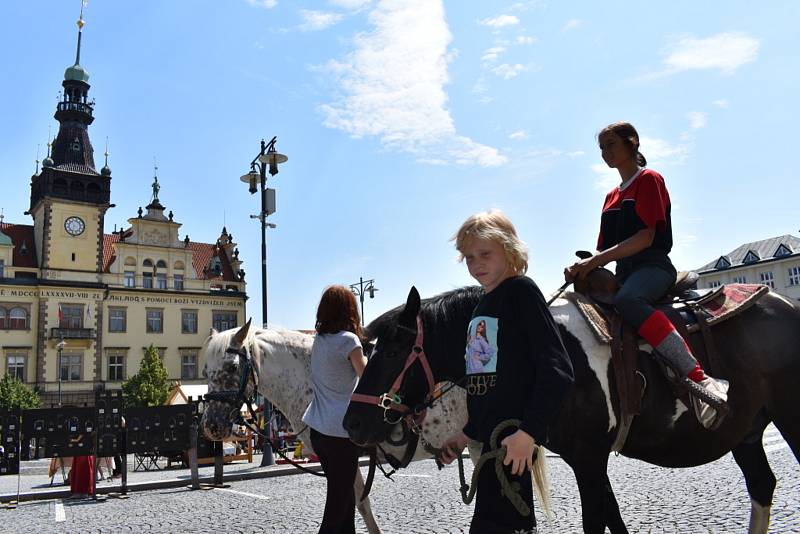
(629, 136)
(338, 311)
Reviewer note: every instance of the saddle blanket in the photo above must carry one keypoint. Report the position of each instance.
(717, 306)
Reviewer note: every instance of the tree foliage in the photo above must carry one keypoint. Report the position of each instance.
(14, 393)
(151, 385)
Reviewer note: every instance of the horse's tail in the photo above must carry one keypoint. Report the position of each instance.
(541, 483)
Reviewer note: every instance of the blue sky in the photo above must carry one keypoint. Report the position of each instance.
(401, 118)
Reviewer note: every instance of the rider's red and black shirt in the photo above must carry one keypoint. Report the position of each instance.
(642, 202)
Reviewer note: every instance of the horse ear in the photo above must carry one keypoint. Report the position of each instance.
(408, 317)
(240, 336)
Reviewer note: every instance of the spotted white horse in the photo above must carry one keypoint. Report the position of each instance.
(282, 359)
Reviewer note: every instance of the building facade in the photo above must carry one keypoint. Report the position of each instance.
(774, 262)
(79, 306)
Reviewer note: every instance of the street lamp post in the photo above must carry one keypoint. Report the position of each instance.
(266, 160)
(60, 347)
(360, 289)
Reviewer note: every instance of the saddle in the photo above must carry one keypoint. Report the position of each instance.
(693, 313)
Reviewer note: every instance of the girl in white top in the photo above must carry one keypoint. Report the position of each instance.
(337, 360)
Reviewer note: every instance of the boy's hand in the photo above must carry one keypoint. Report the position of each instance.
(453, 446)
(579, 269)
(519, 451)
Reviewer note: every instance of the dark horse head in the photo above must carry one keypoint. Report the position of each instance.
(395, 333)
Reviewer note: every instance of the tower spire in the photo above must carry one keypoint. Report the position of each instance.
(81, 23)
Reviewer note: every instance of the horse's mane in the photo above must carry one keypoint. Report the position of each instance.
(436, 310)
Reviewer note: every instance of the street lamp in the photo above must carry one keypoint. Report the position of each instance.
(360, 289)
(60, 348)
(266, 160)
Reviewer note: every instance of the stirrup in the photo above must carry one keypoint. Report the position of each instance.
(699, 393)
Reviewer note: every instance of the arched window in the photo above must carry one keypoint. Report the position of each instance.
(92, 192)
(18, 319)
(76, 189)
(161, 275)
(147, 274)
(60, 186)
(3, 319)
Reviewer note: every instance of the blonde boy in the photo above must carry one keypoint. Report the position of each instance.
(527, 376)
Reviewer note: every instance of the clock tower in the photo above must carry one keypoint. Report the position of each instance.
(69, 197)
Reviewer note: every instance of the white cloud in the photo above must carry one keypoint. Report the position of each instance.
(575, 154)
(350, 4)
(572, 24)
(500, 21)
(721, 103)
(525, 39)
(520, 134)
(266, 4)
(607, 177)
(491, 54)
(318, 20)
(392, 86)
(697, 119)
(508, 71)
(724, 51)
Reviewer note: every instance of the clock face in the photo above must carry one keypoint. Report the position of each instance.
(74, 226)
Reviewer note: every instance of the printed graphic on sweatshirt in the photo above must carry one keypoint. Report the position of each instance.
(481, 355)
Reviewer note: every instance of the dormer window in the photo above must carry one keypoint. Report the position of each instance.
(722, 263)
(783, 250)
(750, 257)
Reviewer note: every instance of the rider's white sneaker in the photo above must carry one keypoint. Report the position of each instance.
(707, 415)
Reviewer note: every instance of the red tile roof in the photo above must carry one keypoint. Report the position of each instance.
(21, 234)
(201, 259)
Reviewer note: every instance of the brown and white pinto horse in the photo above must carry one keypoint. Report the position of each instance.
(760, 357)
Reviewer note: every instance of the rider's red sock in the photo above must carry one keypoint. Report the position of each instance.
(660, 333)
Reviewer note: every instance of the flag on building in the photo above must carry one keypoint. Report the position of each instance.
(60, 315)
(89, 315)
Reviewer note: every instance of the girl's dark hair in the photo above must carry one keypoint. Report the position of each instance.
(629, 136)
(338, 311)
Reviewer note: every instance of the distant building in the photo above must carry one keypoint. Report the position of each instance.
(106, 296)
(774, 262)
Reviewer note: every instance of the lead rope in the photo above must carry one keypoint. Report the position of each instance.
(510, 490)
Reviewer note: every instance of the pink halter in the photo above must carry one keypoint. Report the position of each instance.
(391, 400)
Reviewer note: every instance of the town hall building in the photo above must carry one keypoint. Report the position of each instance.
(79, 306)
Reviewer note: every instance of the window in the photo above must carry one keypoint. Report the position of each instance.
(2, 268)
(70, 316)
(15, 366)
(751, 257)
(17, 319)
(740, 279)
(130, 278)
(722, 263)
(3, 319)
(715, 283)
(161, 281)
(767, 279)
(116, 366)
(155, 321)
(188, 321)
(223, 320)
(783, 250)
(794, 276)
(188, 366)
(147, 280)
(117, 319)
(178, 281)
(71, 367)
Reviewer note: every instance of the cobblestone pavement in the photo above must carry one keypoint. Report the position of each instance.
(711, 499)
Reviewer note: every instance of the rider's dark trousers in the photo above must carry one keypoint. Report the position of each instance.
(494, 513)
(339, 459)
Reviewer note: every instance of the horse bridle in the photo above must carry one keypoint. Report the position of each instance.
(391, 401)
(235, 398)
